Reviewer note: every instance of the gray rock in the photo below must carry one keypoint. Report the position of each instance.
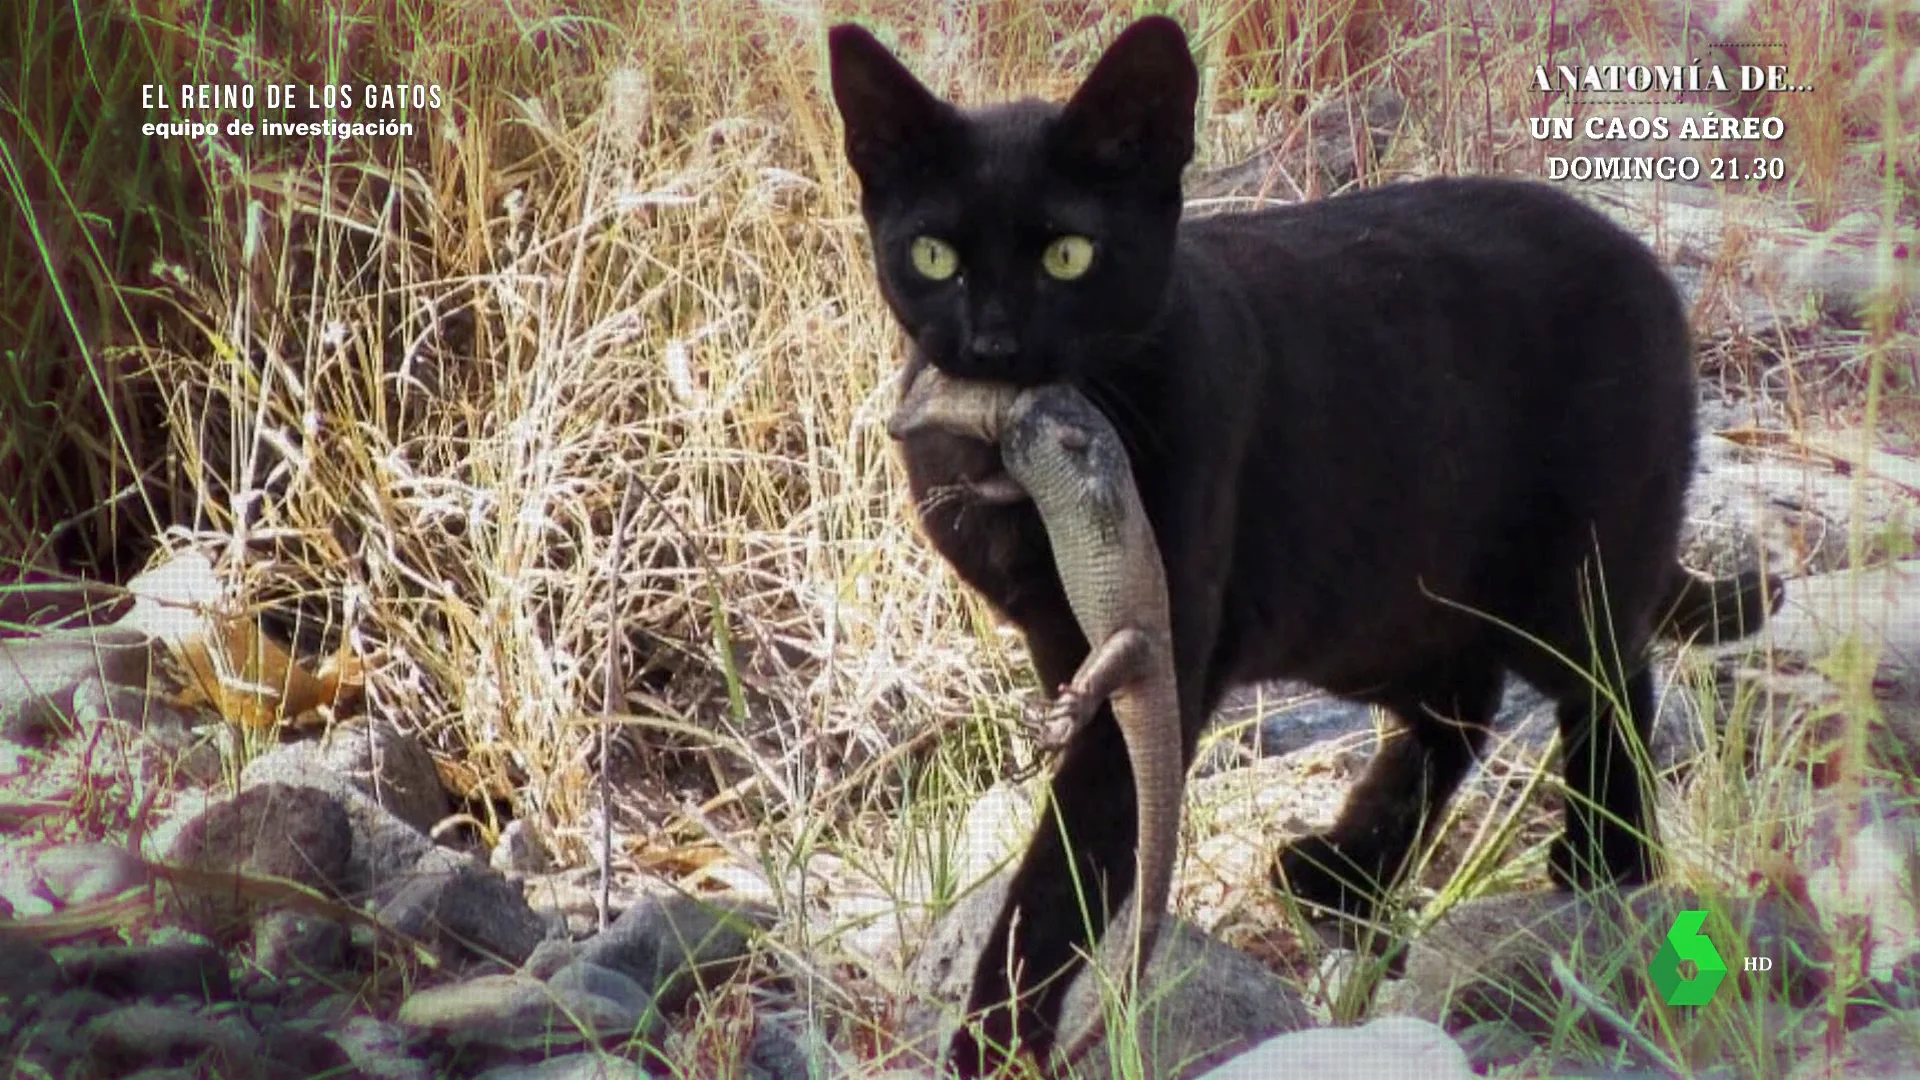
(1297, 724)
(140, 1036)
(1395, 1046)
(519, 852)
(550, 956)
(779, 1053)
(1493, 959)
(390, 767)
(27, 971)
(36, 723)
(1301, 724)
(1882, 604)
(386, 851)
(74, 1009)
(286, 943)
(581, 977)
(39, 678)
(1496, 1044)
(292, 1053)
(153, 973)
(285, 830)
(1207, 1002)
(197, 756)
(570, 1067)
(279, 830)
(53, 1037)
(516, 1012)
(380, 1051)
(674, 945)
(467, 913)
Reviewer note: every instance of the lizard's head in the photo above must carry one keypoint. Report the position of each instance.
(1055, 431)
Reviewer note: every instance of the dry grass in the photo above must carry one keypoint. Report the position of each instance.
(407, 389)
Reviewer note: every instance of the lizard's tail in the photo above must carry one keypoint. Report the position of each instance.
(1712, 609)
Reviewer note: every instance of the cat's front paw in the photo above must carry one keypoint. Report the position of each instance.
(1624, 860)
(1322, 874)
(974, 1053)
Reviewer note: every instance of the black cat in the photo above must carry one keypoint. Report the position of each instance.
(1399, 444)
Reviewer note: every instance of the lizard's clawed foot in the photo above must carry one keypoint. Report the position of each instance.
(1054, 723)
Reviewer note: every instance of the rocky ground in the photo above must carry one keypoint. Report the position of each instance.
(167, 918)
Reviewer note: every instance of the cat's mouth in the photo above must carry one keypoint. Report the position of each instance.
(998, 488)
(970, 409)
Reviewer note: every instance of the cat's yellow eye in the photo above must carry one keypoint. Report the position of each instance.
(1067, 257)
(933, 259)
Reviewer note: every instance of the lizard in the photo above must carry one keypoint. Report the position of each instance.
(1059, 450)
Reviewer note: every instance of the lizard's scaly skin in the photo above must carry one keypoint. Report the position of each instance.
(1068, 458)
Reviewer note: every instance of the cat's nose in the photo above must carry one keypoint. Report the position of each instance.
(992, 355)
(994, 346)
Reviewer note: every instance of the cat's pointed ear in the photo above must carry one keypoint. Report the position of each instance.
(1135, 111)
(890, 117)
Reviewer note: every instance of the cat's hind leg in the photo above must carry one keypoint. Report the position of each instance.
(1444, 716)
(1610, 833)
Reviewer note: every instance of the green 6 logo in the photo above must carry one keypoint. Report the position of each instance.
(1686, 942)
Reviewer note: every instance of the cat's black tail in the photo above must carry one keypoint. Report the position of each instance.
(1709, 609)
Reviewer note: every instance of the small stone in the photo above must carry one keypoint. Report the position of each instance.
(513, 1011)
(37, 725)
(291, 942)
(570, 906)
(1496, 1044)
(676, 944)
(471, 912)
(380, 1050)
(148, 1035)
(570, 1067)
(79, 873)
(387, 852)
(1863, 860)
(1395, 1046)
(1492, 958)
(519, 851)
(390, 767)
(282, 830)
(780, 1053)
(1206, 1001)
(40, 677)
(274, 830)
(74, 1008)
(581, 977)
(550, 956)
(53, 1032)
(154, 973)
(296, 1054)
(27, 970)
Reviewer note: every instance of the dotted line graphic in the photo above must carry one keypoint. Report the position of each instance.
(1746, 44)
